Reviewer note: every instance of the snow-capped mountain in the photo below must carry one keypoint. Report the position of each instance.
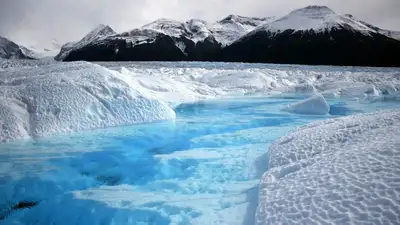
(224, 31)
(316, 18)
(310, 35)
(194, 38)
(196, 30)
(10, 50)
(100, 32)
(30, 53)
(389, 33)
(314, 35)
(43, 49)
(233, 27)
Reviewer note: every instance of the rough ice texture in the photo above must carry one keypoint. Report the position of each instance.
(167, 82)
(186, 82)
(315, 104)
(196, 81)
(39, 101)
(337, 171)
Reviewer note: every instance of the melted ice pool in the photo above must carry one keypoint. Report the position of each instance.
(203, 168)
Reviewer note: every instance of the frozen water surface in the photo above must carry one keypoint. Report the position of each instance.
(205, 166)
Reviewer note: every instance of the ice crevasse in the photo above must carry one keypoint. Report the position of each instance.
(60, 98)
(336, 171)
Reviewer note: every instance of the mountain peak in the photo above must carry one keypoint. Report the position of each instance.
(316, 18)
(317, 8)
(101, 26)
(243, 19)
(159, 22)
(230, 17)
(100, 31)
(10, 50)
(314, 11)
(349, 15)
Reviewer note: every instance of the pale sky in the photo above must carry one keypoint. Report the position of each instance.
(30, 21)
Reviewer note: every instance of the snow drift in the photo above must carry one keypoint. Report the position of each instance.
(338, 171)
(39, 101)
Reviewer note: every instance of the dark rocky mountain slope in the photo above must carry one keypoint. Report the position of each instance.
(313, 35)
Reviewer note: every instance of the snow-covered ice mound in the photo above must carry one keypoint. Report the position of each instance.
(25, 82)
(196, 81)
(315, 104)
(39, 101)
(337, 171)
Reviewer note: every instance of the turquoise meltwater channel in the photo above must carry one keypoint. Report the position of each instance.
(202, 168)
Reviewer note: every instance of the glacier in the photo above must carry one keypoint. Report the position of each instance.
(53, 99)
(197, 143)
(341, 171)
(44, 97)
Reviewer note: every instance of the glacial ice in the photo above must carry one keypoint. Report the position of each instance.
(59, 98)
(315, 104)
(336, 171)
(33, 86)
(189, 82)
(198, 169)
(204, 166)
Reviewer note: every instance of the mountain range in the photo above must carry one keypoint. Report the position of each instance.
(314, 35)
(11, 50)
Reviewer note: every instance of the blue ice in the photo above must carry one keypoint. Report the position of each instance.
(202, 168)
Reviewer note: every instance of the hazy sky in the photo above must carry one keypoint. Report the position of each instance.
(67, 20)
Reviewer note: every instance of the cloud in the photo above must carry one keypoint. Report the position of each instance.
(67, 20)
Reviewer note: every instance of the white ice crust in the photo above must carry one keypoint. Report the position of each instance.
(315, 104)
(337, 171)
(341, 171)
(39, 101)
(176, 85)
(42, 98)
